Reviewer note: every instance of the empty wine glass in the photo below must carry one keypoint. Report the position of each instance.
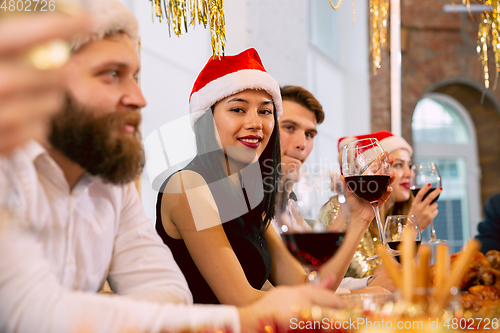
(393, 230)
(421, 175)
(366, 171)
(312, 218)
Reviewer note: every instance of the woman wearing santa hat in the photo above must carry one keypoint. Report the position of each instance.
(401, 201)
(214, 214)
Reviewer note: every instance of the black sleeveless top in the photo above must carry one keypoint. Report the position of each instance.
(249, 245)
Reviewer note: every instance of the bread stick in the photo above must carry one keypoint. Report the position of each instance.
(407, 249)
(457, 274)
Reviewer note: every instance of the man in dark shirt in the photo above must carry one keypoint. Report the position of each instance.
(489, 229)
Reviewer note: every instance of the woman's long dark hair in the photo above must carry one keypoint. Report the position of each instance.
(210, 156)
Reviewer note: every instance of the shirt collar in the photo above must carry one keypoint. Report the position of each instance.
(34, 149)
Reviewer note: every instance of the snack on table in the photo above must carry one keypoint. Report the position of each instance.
(480, 285)
(447, 274)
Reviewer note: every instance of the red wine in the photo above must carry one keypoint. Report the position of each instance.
(313, 249)
(415, 191)
(369, 188)
(394, 246)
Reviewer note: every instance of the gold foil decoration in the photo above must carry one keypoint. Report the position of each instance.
(490, 22)
(217, 27)
(335, 6)
(465, 3)
(353, 9)
(360, 267)
(353, 12)
(177, 12)
(157, 9)
(199, 11)
(495, 32)
(379, 13)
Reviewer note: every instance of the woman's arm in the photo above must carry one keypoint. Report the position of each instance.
(361, 216)
(189, 212)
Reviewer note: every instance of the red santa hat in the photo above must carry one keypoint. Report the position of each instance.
(389, 141)
(221, 78)
(107, 17)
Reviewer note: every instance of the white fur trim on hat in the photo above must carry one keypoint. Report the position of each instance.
(393, 143)
(230, 84)
(108, 17)
(346, 141)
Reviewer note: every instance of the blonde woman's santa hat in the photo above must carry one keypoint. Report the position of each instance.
(221, 78)
(107, 17)
(389, 141)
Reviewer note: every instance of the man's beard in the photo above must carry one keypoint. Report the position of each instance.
(98, 143)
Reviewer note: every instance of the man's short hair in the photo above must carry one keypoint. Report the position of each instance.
(303, 97)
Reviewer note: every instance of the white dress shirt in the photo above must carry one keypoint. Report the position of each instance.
(77, 238)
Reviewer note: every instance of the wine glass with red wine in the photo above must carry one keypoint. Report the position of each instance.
(421, 175)
(366, 171)
(393, 230)
(312, 216)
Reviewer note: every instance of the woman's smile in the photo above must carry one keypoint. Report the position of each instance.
(252, 141)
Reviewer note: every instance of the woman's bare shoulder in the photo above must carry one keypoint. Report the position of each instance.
(182, 181)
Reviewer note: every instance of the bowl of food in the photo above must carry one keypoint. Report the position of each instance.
(375, 303)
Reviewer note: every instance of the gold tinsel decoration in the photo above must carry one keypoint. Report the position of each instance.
(176, 13)
(353, 9)
(379, 13)
(490, 22)
(335, 6)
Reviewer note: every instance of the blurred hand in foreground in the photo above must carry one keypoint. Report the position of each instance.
(382, 279)
(29, 96)
(280, 306)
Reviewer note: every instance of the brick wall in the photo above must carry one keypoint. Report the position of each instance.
(440, 56)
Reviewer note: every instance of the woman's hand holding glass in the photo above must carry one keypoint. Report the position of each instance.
(361, 210)
(423, 207)
(367, 169)
(426, 185)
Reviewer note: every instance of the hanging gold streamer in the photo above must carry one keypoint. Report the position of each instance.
(490, 22)
(379, 12)
(482, 46)
(353, 9)
(157, 9)
(217, 24)
(337, 6)
(177, 12)
(353, 12)
(495, 41)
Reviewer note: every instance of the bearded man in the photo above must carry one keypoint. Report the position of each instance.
(70, 217)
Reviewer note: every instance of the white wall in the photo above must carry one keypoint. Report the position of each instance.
(281, 31)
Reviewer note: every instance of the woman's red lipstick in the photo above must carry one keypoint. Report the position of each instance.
(251, 141)
(406, 185)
